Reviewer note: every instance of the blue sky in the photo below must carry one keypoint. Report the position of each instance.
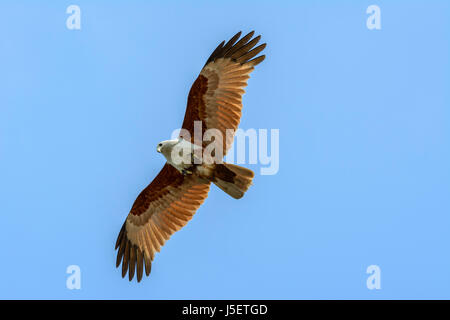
(364, 126)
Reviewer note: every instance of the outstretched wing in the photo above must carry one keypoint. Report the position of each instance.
(161, 209)
(215, 98)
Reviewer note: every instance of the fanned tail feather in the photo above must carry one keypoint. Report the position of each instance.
(234, 180)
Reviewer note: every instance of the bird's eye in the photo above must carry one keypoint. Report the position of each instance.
(160, 145)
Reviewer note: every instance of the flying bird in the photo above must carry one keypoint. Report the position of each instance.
(172, 198)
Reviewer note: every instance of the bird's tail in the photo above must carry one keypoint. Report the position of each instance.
(232, 179)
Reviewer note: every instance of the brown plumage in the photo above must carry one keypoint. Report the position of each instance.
(171, 199)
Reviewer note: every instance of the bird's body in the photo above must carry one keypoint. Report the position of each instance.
(179, 153)
(182, 155)
(172, 198)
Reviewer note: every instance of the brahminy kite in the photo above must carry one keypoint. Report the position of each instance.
(172, 198)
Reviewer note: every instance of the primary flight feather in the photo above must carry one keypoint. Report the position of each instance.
(172, 198)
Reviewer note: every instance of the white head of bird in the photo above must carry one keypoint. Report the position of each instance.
(166, 146)
(177, 152)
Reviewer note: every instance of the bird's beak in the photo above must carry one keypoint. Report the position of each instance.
(158, 149)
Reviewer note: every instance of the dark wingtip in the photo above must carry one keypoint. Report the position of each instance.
(239, 51)
(132, 258)
(120, 236)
